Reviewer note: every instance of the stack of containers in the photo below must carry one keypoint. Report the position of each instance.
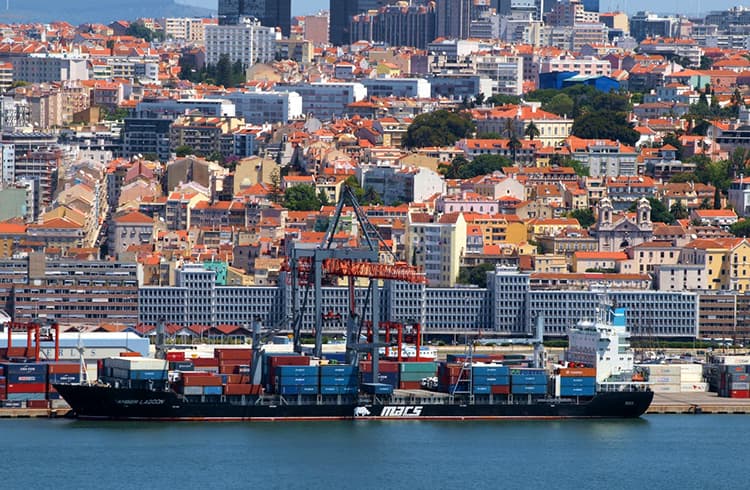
(62, 373)
(734, 382)
(25, 381)
(528, 381)
(205, 364)
(198, 383)
(273, 361)
(388, 373)
(137, 372)
(490, 379)
(665, 378)
(412, 373)
(3, 384)
(691, 378)
(460, 358)
(297, 380)
(177, 361)
(234, 361)
(577, 382)
(448, 378)
(338, 379)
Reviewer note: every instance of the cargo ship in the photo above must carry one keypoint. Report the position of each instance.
(596, 380)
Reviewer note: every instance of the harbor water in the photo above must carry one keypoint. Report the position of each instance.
(659, 451)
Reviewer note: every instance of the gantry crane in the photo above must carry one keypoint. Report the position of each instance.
(307, 267)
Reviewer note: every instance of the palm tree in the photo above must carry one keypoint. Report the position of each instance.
(514, 144)
(531, 131)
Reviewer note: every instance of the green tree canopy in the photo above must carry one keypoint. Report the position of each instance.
(585, 217)
(438, 128)
(560, 104)
(184, 150)
(367, 196)
(476, 275)
(605, 124)
(461, 168)
(302, 198)
(741, 228)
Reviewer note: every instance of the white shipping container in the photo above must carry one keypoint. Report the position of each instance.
(694, 387)
(691, 369)
(663, 369)
(665, 380)
(138, 363)
(733, 360)
(664, 388)
(691, 378)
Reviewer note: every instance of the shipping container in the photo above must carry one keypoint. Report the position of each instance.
(339, 390)
(203, 362)
(37, 404)
(298, 390)
(237, 354)
(739, 386)
(299, 381)
(63, 368)
(739, 394)
(181, 366)
(192, 390)
(577, 390)
(339, 380)
(491, 380)
(377, 388)
(65, 378)
(284, 371)
(528, 372)
(578, 372)
(26, 378)
(26, 388)
(570, 381)
(27, 396)
(500, 389)
(418, 367)
(12, 368)
(490, 370)
(528, 379)
(212, 390)
(196, 378)
(480, 389)
(410, 385)
(176, 356)
(533, 389)
(337, 370)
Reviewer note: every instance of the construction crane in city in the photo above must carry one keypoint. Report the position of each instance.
(307, 266)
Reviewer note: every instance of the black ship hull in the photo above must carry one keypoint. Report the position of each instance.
(106, 403)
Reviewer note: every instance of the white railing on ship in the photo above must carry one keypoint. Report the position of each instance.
(622, 386)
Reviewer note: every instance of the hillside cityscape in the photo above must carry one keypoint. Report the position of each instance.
(523, 155)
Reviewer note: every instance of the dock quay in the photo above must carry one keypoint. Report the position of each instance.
(697, 403)
(31, 413)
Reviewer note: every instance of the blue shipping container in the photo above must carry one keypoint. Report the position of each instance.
(65, 378)
(377, 388)
(338, 370)
(19, 378)
(387, 378)
(588, 381)
(147, 375)
(339, 381)
(491, 380)
(577, 391)
(481, 389)
(296, 371)
(530, 389)
(490, 370)
(212, 390)
(27, 396)
(299, 381)
(24, 368)
(181, 366)
(298, 390)
(529, 379)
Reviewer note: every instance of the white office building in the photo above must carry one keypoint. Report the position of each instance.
(267, 107)
(325, 100)
(248, 42)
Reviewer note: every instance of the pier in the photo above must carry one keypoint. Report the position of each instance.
(697, 403)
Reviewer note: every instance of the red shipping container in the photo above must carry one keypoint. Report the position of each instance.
(238, 389)
(739, 394)
(27, 388)
(578, 372)
(410, 385)
(200, 379)
(38, 404)
(176, 356)
(289, 361)
(130, 354)
(205, 362)
(500, 389)
(236, 379)
(237, 354)
(64, 368)
(383, 366)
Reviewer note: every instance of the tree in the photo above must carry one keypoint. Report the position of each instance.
(476, 275)
(678, 211)
(224, 71)
(557, 160)
(585, 217)
(560, 104)
(738, 161)
(479, 98)
(461, 168)
(138, 29)
(604, 124)
(302, 198)
(500, 99)
(184, 150)
(741, 228)
(531, 131)
(365, 197)
(514, 144)
(438, 128)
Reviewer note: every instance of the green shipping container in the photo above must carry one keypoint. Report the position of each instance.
(418, 367)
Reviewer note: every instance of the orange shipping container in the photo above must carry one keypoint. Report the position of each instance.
(233, 354)
(64, 368)
(238, 389)
(410, 385)
(130, 354)
(578, 372)
(200, 379)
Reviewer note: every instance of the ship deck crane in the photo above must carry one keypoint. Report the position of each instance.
(308, 266)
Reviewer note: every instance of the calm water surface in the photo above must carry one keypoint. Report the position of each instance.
(667, 451)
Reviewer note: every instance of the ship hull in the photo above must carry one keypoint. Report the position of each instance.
(98, 402)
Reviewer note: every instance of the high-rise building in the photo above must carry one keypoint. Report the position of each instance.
(521, 9)
(342, 12)
(396, 25)
(453, 18)
(270, 13)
